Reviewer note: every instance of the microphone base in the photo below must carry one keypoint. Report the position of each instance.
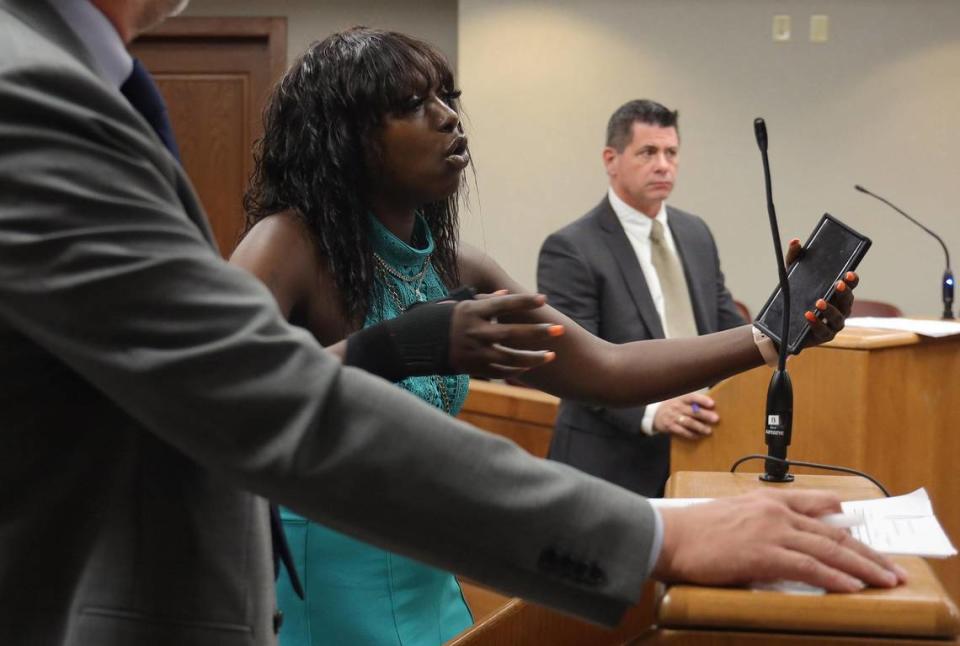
(770, 477)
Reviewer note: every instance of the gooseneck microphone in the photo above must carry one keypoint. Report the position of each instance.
(947, 282)
(779, 415)
(779, 418)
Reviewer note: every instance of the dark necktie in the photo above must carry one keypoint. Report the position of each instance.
(142, 93)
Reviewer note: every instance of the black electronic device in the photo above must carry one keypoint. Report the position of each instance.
(831, 251)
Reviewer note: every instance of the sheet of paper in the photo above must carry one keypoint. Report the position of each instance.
(917, 326)
(901, 525)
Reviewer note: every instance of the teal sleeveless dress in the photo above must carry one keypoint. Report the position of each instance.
(357, 594)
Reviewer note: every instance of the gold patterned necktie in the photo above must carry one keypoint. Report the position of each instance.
(677, 311)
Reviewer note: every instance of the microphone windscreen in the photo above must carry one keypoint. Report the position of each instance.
(760, 130)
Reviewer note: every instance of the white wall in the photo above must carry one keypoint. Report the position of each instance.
(878, 105)
(310, 20)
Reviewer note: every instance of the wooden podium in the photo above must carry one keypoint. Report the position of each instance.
(919, 612)
(883, 402)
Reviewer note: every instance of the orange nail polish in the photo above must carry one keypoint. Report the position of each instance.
(850, 276)
(821, 304)
(550, 356)
(809, 316)
(841, 286)
(555, 330)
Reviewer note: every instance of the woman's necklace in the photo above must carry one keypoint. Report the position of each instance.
(385, 270)
(418, 277)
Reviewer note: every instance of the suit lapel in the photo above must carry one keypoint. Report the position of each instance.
(683, 237)
(626, 258)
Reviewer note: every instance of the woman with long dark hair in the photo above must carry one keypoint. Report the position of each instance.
(353, 219)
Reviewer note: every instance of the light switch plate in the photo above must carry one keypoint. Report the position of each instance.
(781, 28)
(819, 28)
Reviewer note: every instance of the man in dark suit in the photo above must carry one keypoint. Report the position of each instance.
(634, 268)
(153, 396)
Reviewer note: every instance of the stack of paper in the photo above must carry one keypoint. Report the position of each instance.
(900, 525)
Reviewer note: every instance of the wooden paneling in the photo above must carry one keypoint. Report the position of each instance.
(882, 402)
(519, 623)
(523, 415)
(668, 637)
(209, 114)
(215, 74)
(482, 601)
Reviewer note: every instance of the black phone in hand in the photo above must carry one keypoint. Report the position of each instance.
(831, 251)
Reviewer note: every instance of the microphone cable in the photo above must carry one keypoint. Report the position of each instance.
(947, 283)
(812, 465)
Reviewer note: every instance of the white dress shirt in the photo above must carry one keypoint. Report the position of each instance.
(110, 56)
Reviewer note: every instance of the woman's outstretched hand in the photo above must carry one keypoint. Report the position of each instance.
(484, 348)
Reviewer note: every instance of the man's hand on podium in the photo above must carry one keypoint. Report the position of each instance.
(767, 536)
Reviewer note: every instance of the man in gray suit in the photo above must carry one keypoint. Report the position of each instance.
(152, 394)
(634, 268)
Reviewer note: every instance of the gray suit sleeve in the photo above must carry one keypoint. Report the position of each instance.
(101, 266)
(566, 278)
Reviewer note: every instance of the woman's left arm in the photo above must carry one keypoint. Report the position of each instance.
(590, 369)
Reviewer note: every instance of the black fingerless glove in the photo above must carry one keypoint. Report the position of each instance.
(415, 343)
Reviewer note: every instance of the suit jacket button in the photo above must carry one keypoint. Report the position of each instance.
(548, 560)
(596, 576)
(277, 621)
(580, 571)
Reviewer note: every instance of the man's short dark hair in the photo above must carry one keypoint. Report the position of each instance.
(620, 126)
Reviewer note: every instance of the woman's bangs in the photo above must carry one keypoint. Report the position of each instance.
(414, 68)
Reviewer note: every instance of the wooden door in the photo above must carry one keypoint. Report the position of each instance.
(215, 74)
